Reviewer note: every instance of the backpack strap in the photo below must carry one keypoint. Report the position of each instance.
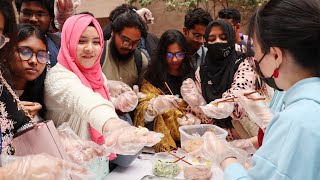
(138, 60)
(56, 39)
(104, 52)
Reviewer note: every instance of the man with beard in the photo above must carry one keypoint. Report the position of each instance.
(121, 61)
(195, 23)
(41, 13)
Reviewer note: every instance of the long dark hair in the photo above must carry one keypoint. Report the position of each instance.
(34, 90)
(158, 69)
(10, 31)
(293, 25)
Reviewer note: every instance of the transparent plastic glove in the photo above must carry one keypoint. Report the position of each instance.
(146, 15)
(223, 110)
(63, 9)
(257, 111)
(139, 94)
(162, 103)
(36, 167)
(245, 144)
(189, 119)
(218, 150)
(130, 140)
(116, 88)
(191, 94)
(80, 151)
(126, 101)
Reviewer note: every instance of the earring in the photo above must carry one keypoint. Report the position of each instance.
(276, 73)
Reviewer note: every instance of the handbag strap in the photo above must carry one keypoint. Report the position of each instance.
(20, 106)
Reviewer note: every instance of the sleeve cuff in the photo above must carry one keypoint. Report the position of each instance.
(235, 171)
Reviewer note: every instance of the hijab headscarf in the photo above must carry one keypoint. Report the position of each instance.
(219, 67)
(91, 77)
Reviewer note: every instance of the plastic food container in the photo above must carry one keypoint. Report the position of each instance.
(125, 160)
(191, 135)
(163, 165)
(200, 169)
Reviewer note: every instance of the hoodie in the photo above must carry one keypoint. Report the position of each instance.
(292, 140)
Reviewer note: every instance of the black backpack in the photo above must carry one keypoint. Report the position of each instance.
(137, 57)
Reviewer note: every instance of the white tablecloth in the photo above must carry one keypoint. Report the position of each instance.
(139, 168)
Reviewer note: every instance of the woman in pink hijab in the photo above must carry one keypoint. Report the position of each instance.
(76, 91)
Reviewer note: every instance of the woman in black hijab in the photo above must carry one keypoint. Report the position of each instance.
(224, 72)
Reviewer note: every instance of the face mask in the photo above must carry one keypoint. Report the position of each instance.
(270, 81)
(218, 51)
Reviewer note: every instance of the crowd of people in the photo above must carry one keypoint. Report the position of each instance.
(121, 88)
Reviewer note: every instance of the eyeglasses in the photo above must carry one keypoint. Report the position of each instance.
(3, 40)
(255, 65)
(178, 55)
(26, 54)
(127, 42)
(29, 14)
(197, 37)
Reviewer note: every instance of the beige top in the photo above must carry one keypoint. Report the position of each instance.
(125, 71)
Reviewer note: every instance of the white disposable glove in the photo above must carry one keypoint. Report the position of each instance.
(218, 150)
(218, 111)
(121, 138)
(257, 111)
(126, 101)
(79, 150)
(191, 94)
(146, 15)
(245, 144)
(162, 103)
(41, 166)
(189, 119)
(116, 88)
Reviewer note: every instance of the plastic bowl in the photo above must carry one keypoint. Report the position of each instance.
(163, 165)
(191, 135)
(125, 160)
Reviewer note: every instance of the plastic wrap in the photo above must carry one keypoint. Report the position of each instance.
(40, 166)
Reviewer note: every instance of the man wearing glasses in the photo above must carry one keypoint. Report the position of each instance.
(120, 62)
(41, 13)
(195, 24)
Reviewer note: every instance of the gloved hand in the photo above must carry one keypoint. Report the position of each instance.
(41, 166)
(126, 101)
(63, 9)
(191, 94)
(146, 15)
(189, 119)
(220, 111)
(218, 150)
(139, 94)
(121, 138)
(257, 111)
(162, 103)
(117, 88)
(245, 144)
(80, 151)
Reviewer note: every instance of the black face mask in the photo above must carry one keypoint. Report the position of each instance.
(219, 51)
(270, 81)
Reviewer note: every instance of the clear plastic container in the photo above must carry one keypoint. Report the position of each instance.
(191, 135)
(163, 165)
